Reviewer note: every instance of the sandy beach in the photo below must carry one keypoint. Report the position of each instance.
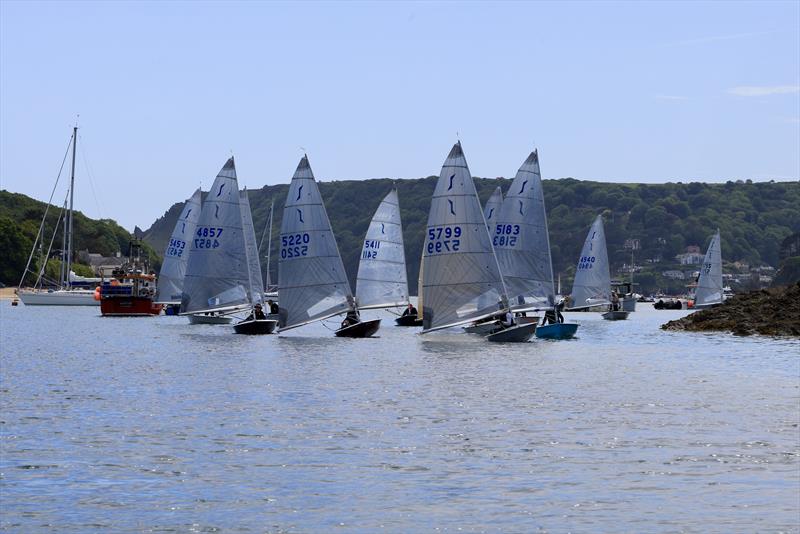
(7, 293)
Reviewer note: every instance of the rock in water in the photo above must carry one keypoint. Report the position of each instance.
(769, 312)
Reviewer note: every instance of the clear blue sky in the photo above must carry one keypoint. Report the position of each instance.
(628, 91)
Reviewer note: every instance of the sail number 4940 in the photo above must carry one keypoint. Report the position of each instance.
(294, 245)
(443, 239)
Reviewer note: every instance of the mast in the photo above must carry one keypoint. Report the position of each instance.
(62, 277)
(71, 204)
(268, 282)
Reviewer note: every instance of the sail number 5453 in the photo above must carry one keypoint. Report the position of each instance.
(443, 239)
(294, 245)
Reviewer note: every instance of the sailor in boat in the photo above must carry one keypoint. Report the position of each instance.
(508, 320)
(257, 314)
(554, 315)
(351, 318)
(273, 307)
(411, 310)
(614, 301)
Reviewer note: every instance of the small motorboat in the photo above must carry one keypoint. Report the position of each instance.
(359, 329)
(519, 333)
(557, 331)
(255, 326)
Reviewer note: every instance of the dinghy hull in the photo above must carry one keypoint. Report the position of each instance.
(615, 315)
(362, 329)
(520, 333)
(557, 331)
(209, 319)
(255, 327)
(483, 329)
(408, 320)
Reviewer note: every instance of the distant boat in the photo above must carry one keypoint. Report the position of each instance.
(176, 255)
(382, 281)
(492, 208)
(65, 294)
(312, 284)
(132, 288)
(592, 285)
(219, 277)
(709, 290)
(462, 282)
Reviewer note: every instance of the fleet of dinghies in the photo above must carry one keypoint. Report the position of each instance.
(484, 269)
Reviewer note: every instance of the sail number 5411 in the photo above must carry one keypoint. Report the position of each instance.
(443, 239)
(294, 245)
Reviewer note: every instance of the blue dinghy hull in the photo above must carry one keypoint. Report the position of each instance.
(556, 331)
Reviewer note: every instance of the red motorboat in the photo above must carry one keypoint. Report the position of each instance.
(131, 289)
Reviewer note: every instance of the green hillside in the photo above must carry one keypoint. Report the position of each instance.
(666, 218)
(20, 217)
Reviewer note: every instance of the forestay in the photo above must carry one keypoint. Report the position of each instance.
(461, 279)
(521, 240)
(709, 284)
(255, 288)
(382, 280)
(217, 276)
(492, 209)
(312, 284)
(592, 284)
(176, 255)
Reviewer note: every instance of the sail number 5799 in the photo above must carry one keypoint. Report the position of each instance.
(443, 239)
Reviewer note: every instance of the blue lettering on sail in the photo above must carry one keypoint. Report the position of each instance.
(187, 213)
(300, 213)
(451, 206)
(216, 212)
(520, 208)
(451, 182)
(521, 189)
(183, 228)
(383, 229)
(220, 189)
(299, 190)
(490, 213)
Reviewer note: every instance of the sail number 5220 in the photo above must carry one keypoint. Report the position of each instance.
(443, 239)
(294, 245)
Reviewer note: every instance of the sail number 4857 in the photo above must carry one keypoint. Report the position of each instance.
(443, 239)
(207, 237)
(294, 245)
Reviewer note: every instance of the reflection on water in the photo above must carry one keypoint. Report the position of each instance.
(152, 424)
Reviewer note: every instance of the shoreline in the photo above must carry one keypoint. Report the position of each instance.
(8, 293)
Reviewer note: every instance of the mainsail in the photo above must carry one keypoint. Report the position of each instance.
(382, 280)
(461, 280)
(592, 284)
(709, 284)
(312, 284)
(521, 242)
(176, 255)
(492, 209)
(255, 289)
(217, 276)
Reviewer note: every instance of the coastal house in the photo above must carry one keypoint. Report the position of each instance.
(673, 274)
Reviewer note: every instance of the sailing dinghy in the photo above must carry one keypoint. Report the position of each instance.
(218, 275)
(462, 281)
(709, 290)
(382, 281)
(176, 255)
(592, 285)
(312, 284)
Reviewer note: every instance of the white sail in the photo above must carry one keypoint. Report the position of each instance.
(382, 281)
(312, 284)
(521, 242)
(461, 279)
(592, 286)
(709, 284)
(217, 276)
(176, 255)
(492, 209)
(256, 286)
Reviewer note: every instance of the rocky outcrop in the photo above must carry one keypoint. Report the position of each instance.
(769, 312)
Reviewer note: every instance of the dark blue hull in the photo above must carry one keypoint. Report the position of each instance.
(556, 331)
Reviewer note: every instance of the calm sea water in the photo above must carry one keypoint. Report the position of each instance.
(150, 424)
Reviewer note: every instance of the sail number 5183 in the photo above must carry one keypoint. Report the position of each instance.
(443, 239)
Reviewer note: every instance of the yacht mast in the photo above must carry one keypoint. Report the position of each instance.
(70, 212)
